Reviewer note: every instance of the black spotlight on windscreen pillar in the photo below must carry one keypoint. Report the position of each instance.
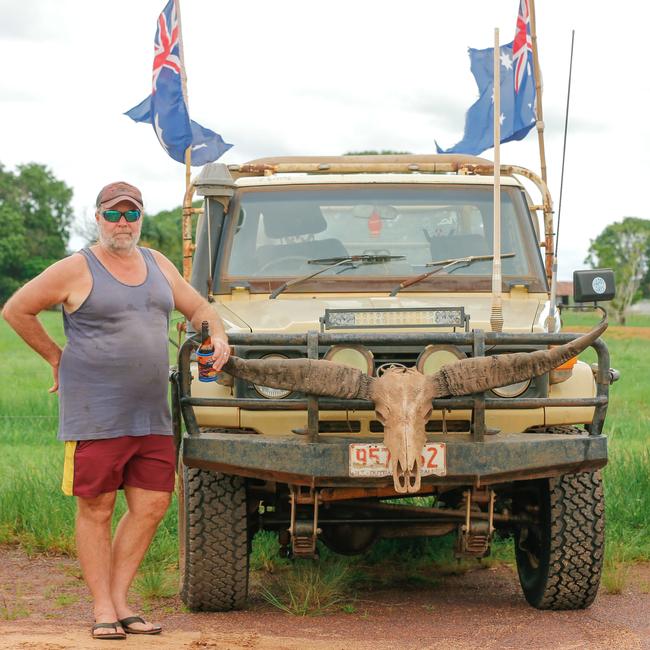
(593, 285)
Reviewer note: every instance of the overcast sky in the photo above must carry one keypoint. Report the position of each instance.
(279, 78)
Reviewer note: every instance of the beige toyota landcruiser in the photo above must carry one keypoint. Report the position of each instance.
(337, 271)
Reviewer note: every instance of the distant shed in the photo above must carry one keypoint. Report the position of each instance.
(564, 295)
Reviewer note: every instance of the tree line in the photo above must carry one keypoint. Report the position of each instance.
(36, 221)
(36, 218)
(624, 247)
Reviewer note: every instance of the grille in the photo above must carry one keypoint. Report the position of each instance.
(407, 358)
(339, 426)
(432, 426)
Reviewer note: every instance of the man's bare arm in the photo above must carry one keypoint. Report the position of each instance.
(196, 309)
(21, 310)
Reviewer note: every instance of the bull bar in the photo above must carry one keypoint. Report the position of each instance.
(317, 460)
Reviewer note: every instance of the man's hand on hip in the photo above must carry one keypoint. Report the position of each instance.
(55, 373)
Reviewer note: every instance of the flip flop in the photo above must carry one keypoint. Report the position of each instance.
(129, 620)
(111, 635)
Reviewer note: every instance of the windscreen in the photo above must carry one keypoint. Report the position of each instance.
(292, 232)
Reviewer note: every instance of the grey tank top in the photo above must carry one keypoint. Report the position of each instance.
(114, 370)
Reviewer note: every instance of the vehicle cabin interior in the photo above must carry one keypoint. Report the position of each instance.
(276, 234)
(295, 227)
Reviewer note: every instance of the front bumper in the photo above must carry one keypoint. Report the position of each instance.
(498, 458)
(318, 459)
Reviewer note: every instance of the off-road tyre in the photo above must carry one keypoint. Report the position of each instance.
(214, 543)
(560, 559)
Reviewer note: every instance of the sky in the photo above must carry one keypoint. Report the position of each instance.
(296, 77)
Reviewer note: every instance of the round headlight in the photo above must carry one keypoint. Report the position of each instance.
(512, 390)
(355, 356)
(434, 357)
(272, 393)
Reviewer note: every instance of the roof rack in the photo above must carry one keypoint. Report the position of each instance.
(402, 164)
(364, 164)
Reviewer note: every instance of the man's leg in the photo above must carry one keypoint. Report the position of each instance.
(94, 551)
(132, 538)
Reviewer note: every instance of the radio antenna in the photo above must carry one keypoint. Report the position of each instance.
(550, 321)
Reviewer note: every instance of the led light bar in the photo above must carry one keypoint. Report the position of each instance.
(408, 317)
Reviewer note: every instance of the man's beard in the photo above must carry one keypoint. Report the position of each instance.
(119, 244)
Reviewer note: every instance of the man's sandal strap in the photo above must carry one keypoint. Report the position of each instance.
(116, 634)
(129, 620)
(98, 626)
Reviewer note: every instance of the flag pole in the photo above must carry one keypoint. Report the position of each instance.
(537, 74)
(187, 200)
(548, 208)
(496, 313)
(188, 247)
(181, 54)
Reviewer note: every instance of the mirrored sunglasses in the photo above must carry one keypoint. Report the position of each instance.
(113, 216)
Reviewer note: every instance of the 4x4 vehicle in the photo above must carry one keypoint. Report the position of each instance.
(383, 264)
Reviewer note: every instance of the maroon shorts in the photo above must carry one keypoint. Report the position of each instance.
(93, 467)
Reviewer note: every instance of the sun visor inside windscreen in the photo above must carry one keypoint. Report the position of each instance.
(292, 218)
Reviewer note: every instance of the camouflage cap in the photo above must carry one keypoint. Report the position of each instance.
(113, 193)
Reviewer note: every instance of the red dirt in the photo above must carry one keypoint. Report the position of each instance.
(49, 610)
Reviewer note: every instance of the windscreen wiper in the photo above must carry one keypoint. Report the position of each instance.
(332, 262)
(445, 264)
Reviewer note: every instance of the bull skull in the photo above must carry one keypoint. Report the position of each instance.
(402, 397)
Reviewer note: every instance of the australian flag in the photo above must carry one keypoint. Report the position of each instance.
(517, 92)
(166, 108)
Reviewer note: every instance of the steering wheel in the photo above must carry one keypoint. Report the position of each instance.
(281, 260)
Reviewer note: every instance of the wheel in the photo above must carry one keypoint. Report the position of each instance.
(214, 540)
(291, 259)
(560, 556)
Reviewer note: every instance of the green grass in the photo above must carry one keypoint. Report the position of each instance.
(571, 317)
(155, 581)
(33, 510)
(627, 475)
(65, 600)
(35, 513)
(9, 611)
(307, 588)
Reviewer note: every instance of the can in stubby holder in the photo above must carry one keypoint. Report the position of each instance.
(206, 371)
(205, 351)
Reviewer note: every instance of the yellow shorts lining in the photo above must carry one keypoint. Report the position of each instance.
(68, 467)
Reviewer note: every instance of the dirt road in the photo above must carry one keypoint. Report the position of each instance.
(43, 606)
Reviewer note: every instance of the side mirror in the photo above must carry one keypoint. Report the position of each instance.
(593, 285)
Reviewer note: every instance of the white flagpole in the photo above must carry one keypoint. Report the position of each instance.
(496, 314)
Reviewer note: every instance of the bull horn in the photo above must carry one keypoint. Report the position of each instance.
(315, 377)
(483, 373)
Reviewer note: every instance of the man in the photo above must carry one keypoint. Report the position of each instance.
(112, 373)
